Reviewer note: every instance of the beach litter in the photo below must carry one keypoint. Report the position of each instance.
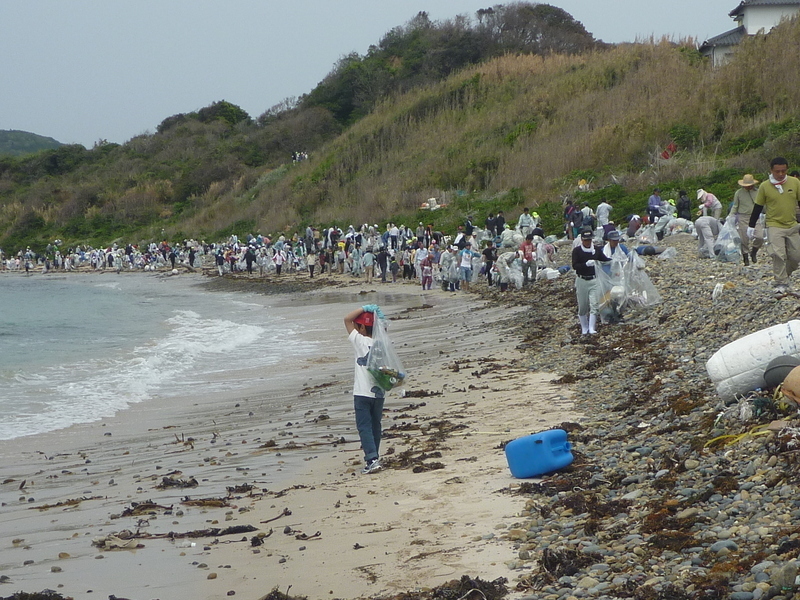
(65, 504)
(206, 502)
(43, 595)
(124, 541)
(173, 481)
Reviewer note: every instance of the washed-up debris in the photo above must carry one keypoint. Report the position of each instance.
(137, 509)
(466, 588)
(174, 481)
(207, 502)
(65, 504)
(442, 429)
(285, 513)
(43, 595)
(307, 391)
(424, 467)
(258, 540)
(197, 533)
(418, 394)
(239, 489)
(558, 562)
(182, 439)
(295, 446)
(125, 540)
(285, 491)
(277, 595)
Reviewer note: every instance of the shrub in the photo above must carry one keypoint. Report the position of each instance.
(685, 136)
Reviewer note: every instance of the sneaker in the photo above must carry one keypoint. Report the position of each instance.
(372, 466)
(780, 289)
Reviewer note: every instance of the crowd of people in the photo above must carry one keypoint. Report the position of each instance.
(502, 254)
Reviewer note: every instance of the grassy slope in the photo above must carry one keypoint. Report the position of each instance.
(536, 126)
(518, 130)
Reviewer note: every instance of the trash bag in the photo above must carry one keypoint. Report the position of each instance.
(611, 281)
(547, 273)
(639, 290)
(670, 252)
(477, 264)
(727, 246)
(383, 363)
(647, 235)
(545, 255)
(515, 273)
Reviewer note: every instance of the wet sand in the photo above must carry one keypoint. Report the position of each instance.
(293, 439)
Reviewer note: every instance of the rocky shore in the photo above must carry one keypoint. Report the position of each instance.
(673, 495)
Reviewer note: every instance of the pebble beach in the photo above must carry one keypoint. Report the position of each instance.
(672, 493)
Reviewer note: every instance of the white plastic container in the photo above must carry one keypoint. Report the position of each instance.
(738, 367)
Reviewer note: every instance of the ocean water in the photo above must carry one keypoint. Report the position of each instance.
(75, 349)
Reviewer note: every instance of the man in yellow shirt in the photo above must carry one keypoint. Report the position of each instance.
(779, 196)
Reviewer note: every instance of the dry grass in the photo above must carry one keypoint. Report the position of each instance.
(517, 122)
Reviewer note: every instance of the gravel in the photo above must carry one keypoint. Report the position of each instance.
(649, 509)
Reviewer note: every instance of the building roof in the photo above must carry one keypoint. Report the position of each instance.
(747, 3)
(729, 38)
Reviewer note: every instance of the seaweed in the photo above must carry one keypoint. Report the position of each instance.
(456, 589)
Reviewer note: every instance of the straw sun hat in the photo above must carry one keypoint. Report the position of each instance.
(748, 180)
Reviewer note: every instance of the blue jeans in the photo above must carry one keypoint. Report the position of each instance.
(368, 422)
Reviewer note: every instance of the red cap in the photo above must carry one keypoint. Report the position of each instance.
(366, 318)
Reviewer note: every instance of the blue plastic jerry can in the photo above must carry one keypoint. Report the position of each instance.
(539, 453)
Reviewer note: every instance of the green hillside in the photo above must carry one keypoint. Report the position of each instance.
(20, 143)
(512, 130)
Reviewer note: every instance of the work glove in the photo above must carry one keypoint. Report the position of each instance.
(751, 232)
(374, 308)
(590, 263)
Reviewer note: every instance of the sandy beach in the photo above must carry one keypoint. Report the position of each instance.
(281, 464)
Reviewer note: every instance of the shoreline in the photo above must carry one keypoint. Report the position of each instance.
(413, 529)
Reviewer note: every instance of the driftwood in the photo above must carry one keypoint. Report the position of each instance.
(197, 533)
(286, 512)
(210, 502)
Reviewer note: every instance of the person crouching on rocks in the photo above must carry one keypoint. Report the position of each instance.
(584, 257)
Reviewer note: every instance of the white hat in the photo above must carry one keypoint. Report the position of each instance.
(701, 194)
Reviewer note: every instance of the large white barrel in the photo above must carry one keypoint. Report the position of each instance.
(738, 367)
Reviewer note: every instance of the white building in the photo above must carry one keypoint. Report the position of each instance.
(751, 16)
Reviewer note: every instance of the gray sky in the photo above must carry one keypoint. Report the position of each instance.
(84, 70)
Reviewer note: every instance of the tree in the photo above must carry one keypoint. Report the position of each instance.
(533, 28)
(222, 110)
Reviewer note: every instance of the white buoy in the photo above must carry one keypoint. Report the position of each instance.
(738, 367)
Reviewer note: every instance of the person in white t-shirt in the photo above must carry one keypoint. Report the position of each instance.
(368, 397)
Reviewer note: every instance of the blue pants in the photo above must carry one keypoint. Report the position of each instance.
(368, 422)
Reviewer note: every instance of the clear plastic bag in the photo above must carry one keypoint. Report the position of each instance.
(670, 252)
(639, 290)
(515, 274)
(727, 246)
(647, 235)
(383, 363)
(611, 280)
